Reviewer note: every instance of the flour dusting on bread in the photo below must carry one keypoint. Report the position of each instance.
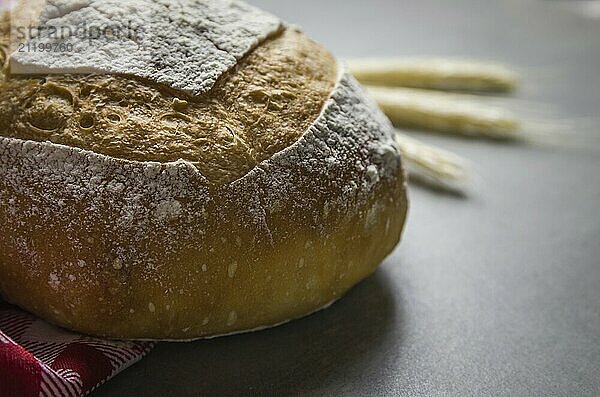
(186, 45)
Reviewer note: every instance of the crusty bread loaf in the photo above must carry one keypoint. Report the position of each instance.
(154, 205)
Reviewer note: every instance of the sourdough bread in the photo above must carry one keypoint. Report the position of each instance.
(151, 204)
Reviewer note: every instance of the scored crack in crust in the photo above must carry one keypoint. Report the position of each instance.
(260, 107)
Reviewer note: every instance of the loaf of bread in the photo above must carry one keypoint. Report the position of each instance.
(222, 174)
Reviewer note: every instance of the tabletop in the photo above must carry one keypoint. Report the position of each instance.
(494, 293)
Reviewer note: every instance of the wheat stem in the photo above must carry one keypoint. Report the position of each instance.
(451, 113)
(433, 165)
(434, 73)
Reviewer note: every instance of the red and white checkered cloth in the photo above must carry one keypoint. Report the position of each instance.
(39, 359)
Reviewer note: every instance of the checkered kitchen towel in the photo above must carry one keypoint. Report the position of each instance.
(39, 359)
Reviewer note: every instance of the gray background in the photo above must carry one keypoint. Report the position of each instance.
(494, 294)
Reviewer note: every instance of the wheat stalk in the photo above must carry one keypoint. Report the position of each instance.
(434, 73)
(432, 165)
(451, 113)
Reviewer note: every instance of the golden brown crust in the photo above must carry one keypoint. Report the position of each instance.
(231, 281)
(137, 250)
(257, 109)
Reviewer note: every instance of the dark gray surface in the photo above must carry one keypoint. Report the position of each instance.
(497, 294)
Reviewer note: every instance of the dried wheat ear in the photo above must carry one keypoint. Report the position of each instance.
(434, 73)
